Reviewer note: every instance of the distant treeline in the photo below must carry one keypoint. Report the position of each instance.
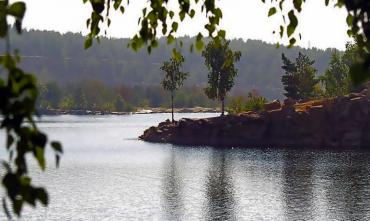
(98, 96)
(54, 57)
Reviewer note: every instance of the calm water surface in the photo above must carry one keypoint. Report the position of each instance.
(107, 174)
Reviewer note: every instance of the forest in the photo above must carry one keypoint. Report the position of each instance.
(69, 76)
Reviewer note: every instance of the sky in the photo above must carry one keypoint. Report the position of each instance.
(321, 27)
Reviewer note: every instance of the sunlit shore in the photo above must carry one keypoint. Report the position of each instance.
(139, 111)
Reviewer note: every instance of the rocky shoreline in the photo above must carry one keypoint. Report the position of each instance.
(341, 122)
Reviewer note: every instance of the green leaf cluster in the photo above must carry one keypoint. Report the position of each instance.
(15, 10)
(157, 16)
(18, 93)
(17, 103)
(286, 29)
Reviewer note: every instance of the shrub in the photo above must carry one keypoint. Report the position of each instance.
(67, 103)
(236, 105)
(255, 103)
(239, 104)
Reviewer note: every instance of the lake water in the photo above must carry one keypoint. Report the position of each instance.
(107, 174)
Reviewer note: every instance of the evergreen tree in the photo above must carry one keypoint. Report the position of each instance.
(289, 79)
(352, 57)
(299, 79)
(219, 59)
(336, 79)
(306, 77)
(173, 78)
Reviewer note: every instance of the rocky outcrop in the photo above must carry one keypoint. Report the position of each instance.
(341, 122)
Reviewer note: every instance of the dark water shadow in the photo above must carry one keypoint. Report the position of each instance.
(347, 194)
(297, 185)
(340, 180)
(172, 190)
(219, 189)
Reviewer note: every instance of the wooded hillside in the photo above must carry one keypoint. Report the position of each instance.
(61, 58)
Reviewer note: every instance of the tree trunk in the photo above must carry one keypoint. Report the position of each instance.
(223, 107)
(173, 119)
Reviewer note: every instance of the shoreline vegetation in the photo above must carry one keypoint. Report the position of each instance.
(156, 110)
(336, 122)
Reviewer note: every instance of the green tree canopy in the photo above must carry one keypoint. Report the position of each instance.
(220, 59)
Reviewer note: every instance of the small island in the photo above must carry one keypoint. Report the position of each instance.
(327, 123)
(320, 111)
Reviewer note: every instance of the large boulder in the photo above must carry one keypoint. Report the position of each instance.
(274, 105)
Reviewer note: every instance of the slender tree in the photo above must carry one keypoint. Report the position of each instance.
(220, 59)
(173, 78)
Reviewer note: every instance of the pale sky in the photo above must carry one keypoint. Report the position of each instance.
(321, 26)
